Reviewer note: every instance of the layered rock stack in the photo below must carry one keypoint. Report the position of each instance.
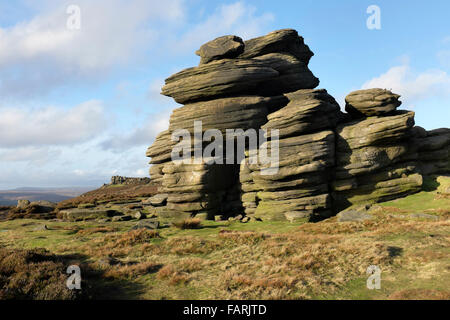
(328, 160)
(236, 86)
(119, 180)
(300, 187)
(375, 160)
(433, 149)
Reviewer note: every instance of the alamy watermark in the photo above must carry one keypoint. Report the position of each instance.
(374, 280)
(74, 19)
(229, 149)
(374, 20)
(74, 281)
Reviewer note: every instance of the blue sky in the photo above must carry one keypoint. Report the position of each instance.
(77, 106)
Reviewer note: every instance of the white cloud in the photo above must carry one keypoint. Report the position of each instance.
(30, 154)
(21, 127)
(50, 146)
(141, 136)
(42, 52)
(411, 85)
(110, 31)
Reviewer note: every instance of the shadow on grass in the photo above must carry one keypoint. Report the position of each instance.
(430, 184)
(394, 251)
(45, 275)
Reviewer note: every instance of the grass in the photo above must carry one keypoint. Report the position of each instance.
(255, 260)
(423, 202)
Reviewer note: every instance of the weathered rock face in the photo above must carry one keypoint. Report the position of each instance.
(299, 189)
(236, 86)
(217, 79)
(159, 152)
(115, 180)
(371, 102)
(220, 48)
(374, 159)
(327, 160)
(285, 40)
(433, 148)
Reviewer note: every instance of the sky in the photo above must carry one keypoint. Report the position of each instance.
(79, 98)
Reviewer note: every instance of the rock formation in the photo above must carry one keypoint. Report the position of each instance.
(375, 160)
(328, 160)
(116, 180)
(306, 150)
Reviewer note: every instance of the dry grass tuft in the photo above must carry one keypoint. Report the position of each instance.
(131, 270)
(131, 238)
(189, 223)
(95, 230)
(174, 277)
(242, 237)
(420, 294)
(190, 245)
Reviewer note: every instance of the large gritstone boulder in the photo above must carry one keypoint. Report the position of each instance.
(298, 189)
(371, 102)
(285, 40)
(375, 160)
(220, 48)
(217, 79)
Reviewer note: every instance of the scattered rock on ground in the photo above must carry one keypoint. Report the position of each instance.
(355, 214)
(139, 215)
(122, 218)
(147, 224)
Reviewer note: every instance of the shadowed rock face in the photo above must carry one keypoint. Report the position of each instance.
(328, 160)
(433, 150)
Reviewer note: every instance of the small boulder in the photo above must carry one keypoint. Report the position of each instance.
(444, 185)
(220, 48)
(41, 227)
(43, 206)
(354, 214)
(371, 102)
(158, 200)
(22, 204)
(245, 219)
(139, 215)
(148, 224)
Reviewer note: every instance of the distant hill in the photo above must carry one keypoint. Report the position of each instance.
(10, 197)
